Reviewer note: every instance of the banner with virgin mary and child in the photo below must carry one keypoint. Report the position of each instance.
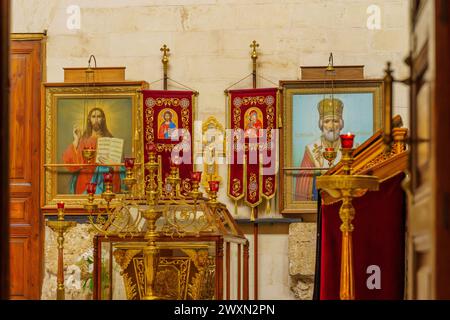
(253, 146)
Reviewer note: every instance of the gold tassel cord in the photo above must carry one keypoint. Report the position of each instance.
(252, 216)
(235, 207)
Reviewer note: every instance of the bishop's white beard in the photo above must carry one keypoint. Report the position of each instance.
(331, 135)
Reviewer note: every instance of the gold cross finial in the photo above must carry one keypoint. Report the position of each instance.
(165, 51)
(254, 45)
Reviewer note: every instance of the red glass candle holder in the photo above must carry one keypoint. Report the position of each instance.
(213, 186)
(91, 188)
(150, 147)
(347, 140)
(60, 205)
(196, 176)
(129, 163)
(108, 177)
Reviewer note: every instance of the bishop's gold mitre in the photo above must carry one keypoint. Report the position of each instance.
(330, 108)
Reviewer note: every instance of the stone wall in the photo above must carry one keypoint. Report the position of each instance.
(78, 263)
(302, 258)
(209, 42)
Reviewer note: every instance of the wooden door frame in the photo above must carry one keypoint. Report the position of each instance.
(4, 148)
(34, 287)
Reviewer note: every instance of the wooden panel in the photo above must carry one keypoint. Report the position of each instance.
(78, 75)
(19, 267)
(20, 116)
(20, 211)
(341, 73)
(25, 237)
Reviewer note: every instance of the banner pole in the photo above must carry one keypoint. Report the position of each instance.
(254, 57)
(165, 61)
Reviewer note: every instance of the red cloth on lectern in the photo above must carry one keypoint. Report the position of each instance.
(378, 239)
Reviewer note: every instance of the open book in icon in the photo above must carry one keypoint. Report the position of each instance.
(109, 150)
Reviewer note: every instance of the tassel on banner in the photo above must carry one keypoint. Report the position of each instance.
(235, 207)
(268, 206)
(252, 216)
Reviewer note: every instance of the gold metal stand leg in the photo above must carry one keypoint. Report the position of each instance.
(151, 255)
(151, 259)
(347, 286)
(60, 292)
(60, 226)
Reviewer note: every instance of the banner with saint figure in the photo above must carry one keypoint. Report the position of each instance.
(168, 117)
(252, 166)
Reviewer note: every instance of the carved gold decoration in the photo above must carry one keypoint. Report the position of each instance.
(130, 287)
(124, 257)
(198, 288)
(209, 152)
(398, 147)
(178, 278)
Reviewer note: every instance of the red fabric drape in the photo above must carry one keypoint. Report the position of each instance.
(378, 239)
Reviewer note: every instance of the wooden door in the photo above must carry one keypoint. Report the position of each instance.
(429, 197)
(25, 222)
(4, 149)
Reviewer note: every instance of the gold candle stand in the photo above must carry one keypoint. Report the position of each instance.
(108, 195)
(195, 193)
(151, 215)
(129, 180)
(347, 187)
(60, 226)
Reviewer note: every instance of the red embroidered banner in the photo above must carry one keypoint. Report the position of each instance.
(168, 117)
(253, 119)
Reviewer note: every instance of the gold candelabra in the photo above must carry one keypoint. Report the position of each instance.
(347, 187)
(181, 214)
(60, 226)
